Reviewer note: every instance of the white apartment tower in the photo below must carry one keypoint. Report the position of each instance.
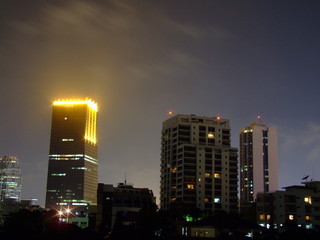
(199, 168)
(258, 161)
(10, 178)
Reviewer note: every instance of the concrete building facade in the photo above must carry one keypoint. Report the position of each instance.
(258, 161)
(298, 205)
(122, 202)
(199, 168)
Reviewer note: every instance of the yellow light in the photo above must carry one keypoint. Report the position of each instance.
(170, 112)
(190, 186)
(308, 200)
(217, 175)
(87, 101)
(91, 123)
(218, 118)
(210, 135)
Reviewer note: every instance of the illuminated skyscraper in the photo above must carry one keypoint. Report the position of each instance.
(199, 168)
(10, 178)
(258, 161)
(73, 165)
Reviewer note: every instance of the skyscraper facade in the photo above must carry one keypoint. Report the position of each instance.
(73, 164)
(258, 161)
(199, 168)
(10, 178)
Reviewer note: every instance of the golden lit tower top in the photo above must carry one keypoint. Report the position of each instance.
(91, 123)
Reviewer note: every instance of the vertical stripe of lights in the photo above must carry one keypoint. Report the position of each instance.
(90, 134)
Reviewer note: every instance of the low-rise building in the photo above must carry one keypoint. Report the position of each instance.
(298, 204)
(123, 201)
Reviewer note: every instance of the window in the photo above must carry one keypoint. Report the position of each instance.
(291, 217)
(190, 186)
(307, 199)
(217, 175)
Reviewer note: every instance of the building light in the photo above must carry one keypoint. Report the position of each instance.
(307, 199)
(217, 175)
(308, 217)
(91, 126)
(67, 140)
(207, 174)
(210, 135)
(291, 217)
(190, 186)
(261, 217)
(217, 200)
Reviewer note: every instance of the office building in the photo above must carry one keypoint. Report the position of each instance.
(297, 205)
(122, 202)
(258, 162)
(10, 178)
(199, 168)
(73, 164)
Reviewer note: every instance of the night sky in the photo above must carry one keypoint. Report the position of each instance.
(139, 59)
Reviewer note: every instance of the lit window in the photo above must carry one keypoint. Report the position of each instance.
(217, 175)
(210, 135)
(268, 217)
(291, 217)
(173, 199)
(67, 140)
(308, 218)
(261, 217)
(217, 200)
(190, 186)
(206, 200)
(174, 169)
(307, 199)
(207, 174)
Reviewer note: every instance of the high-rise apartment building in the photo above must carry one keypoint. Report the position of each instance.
(258, 161)
(199, 168)
(10, 178)
(73, 164)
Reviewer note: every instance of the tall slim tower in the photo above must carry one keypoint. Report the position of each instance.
(199, 168)
(10, 178)
(258, 161)
(73, 163)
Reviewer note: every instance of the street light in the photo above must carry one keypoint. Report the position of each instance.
(68, 211)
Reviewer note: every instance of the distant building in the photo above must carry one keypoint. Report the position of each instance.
(10, 178)
(258, 162)
(9, 206)
(73, 161)
(199, 168)
(122, 202)
(298, 205)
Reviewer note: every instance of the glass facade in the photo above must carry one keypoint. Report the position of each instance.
(73, 161)
(10, 178)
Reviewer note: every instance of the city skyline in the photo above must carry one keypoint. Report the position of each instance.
(139, 60)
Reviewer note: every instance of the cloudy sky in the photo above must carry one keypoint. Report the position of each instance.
(138, 59)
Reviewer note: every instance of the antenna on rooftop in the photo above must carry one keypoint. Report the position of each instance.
(125, 179)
